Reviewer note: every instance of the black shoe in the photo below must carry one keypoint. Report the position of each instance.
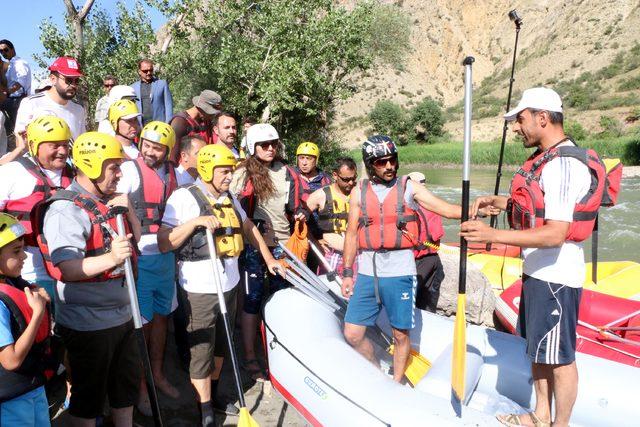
(225, 408)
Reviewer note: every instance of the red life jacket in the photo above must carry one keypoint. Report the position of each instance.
(431, 231)
(37, 366)
(150, 198)
(526, 206)
(44, 188)
(390, 225)
(103, 221)
(194, 128)
(305, 186)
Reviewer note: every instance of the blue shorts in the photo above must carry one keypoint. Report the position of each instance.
(547, 319)
(29, 409)
(397, 294)
(156, 284)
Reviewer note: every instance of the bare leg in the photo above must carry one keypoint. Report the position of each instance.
(565, 390)
(157, 342)
(356, 338)
(249, 326)
(203, 389)
(122, 417)
(401, 353)
(217, 370)
(543, 385)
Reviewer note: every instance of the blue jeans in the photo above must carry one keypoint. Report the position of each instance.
(252, 263)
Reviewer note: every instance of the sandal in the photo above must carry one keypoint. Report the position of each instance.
(513, 420)
(253, 368)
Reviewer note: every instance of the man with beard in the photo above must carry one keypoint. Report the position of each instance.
(225, 132)
(31, 179)
(383, 228)
(332, 205)
(154, 97)
(149, 180)
(123, 116)
(93, 315)
(57, 101)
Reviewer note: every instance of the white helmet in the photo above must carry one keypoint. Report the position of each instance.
(260, 133)
(119, 92)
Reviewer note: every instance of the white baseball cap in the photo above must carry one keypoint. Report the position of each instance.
(538, 98)
(260, 132)
(119, 92)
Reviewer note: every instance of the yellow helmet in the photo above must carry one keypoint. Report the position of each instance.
(212, 156)
(91, 149)
(46, 129)
(122, 109)
(160, 133)
(10, 229)
(308, 148)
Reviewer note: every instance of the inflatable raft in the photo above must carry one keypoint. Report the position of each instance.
(608, 326)
(330, 384)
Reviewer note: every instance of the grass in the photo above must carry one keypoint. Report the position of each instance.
(626, 148)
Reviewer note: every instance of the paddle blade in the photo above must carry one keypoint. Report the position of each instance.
(246, 420)
(458, 359)
(417, 366)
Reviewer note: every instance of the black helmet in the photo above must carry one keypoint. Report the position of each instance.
(377, 146)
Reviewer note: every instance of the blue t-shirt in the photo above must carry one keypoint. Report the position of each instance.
(6, 337)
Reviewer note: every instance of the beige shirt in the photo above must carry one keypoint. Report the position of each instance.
(271, 211)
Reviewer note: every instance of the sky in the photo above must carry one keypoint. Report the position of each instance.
(21, 19)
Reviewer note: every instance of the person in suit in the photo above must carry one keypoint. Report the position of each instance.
(154, 97)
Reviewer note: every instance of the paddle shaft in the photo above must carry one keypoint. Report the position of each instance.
(466, 166)
(594, 253)
(213, 255)
(137, 325)
(505, 126)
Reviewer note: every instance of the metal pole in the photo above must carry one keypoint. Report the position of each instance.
(137, 326)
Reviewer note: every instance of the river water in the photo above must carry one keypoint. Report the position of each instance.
(619, 236)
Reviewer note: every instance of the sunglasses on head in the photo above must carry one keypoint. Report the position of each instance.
(267, 144)
(379, 163)
(348, 178)
(69, 80)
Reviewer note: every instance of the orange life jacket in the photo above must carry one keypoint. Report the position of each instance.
(525, 208)
(150, 198)
(44, 188)
(37, 365)
(390, 225)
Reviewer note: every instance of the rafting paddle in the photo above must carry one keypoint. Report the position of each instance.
(459, 356)
(137, 325)
(246, 420)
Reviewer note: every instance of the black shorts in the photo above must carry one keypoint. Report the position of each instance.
(430, 274)
(547, 320)
(103, 363)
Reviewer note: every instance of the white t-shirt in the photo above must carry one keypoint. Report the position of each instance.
(131, 151)
(196, 276)
(183, 177)
(565, 181)
(129, 183)
(17, 183)
(41, 104)
(104, 126)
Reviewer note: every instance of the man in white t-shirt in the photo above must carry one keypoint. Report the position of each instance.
(57, 101)
(552, 208)
(188, 148)
(31, 179)
(207, 203)
(123, 115)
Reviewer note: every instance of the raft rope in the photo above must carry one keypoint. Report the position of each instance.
(275, 340)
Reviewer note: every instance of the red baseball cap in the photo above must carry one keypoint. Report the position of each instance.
(67, 66)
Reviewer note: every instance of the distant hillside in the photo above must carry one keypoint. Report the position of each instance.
(582, 47)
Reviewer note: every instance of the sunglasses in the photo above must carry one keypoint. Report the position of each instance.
(272, 144)
(348, 178)
(150, 70)
(379, 163)
(109, 85)
(5, 50)
(69, 80)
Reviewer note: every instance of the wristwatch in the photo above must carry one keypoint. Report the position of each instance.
(347, 272)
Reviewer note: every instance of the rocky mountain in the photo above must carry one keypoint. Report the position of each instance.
(560, 41)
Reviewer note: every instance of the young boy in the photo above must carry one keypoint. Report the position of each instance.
(24, 335)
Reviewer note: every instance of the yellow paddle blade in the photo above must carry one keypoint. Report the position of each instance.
(417, 366)
(458, 359)
(246, 420)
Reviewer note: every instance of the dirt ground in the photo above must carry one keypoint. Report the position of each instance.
(266, 405)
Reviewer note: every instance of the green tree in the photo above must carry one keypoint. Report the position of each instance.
(427, 121)
(389, 118)
(575, 130)
(106, 47)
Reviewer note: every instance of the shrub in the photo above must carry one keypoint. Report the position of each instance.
(575, 130)
(389, 118)
(611, 128)
(426, 120)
